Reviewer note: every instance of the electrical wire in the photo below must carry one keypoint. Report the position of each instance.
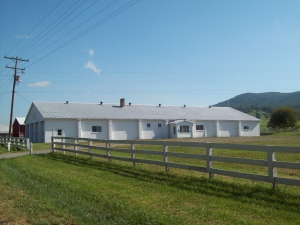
(34, 27)
(35, 42)
(115, 13)
(57, 40)
(23, 97)
(71, 20)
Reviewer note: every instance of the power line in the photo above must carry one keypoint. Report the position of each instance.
(35, 42)
(155, 81)
(71, 20)
(75, 28)
(23, 98)
(115, 13)
(34, 27)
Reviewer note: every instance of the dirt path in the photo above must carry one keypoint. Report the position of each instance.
(12, 155)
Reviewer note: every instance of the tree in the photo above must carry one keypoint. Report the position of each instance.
(283, 117)
(257, 115)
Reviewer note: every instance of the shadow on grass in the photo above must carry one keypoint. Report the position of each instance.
(266, 134)
(246, 193)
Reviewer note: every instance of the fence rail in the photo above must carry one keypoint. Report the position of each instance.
(23, 143)
(270, 162)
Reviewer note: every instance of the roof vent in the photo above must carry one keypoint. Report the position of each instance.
(184, 106)
(101, 103)
(129, 103)
(67, 102)
(159, 105)
(210, 106)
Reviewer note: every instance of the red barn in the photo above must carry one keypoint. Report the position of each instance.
(19, 127)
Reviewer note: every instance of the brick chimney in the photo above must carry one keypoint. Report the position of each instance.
(122, 102)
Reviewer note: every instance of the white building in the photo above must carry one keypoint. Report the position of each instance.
(120, 121)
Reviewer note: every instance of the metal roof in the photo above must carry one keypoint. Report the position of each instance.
(4, 128)
(21, 120)
(52, 110)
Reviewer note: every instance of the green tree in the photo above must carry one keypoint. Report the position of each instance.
(283, 117)
(257, 115)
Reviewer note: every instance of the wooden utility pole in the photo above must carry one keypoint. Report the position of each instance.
(16, 79)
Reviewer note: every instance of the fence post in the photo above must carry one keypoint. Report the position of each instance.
(133, 153)
(31, 148)
(27, 144)
(165, 155)
(108, 154)
(272, 171)
(75, 147)
(90, 148)
(53, 145)
(63, 141)
(8, 146)
(209, 163)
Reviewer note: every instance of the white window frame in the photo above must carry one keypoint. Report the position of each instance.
(246, 128)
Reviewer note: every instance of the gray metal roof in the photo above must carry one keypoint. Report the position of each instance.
(54, 110)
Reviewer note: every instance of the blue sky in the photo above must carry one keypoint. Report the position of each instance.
(173, 52)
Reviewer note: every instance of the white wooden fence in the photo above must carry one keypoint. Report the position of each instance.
(74, 146)
(17, 142)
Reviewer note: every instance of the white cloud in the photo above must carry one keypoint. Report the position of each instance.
(91, 52)
(92, 66)
(39, 84)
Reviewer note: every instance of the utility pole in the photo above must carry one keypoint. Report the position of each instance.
(16, 79)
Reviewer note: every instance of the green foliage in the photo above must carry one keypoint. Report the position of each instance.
(284, 117)
(257, 115)
(266, 102)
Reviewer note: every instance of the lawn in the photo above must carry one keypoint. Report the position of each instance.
(64, 189)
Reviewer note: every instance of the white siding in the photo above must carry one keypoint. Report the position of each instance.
(184, 134)
(172, 133)
(86, 131)
(68, 126)
(125, 129)
(254, 128)
(210, 129)
(153, 131)
(34, 116)
(228, 128)
(198, 133)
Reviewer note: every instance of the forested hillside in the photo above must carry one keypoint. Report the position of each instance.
(266, 102)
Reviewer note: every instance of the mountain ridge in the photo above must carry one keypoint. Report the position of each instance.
(267, 101)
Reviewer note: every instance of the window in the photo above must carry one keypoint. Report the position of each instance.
(59, 132)
(174, 130)
(246, 127)
(184, 129)
(148, 125)
(159, 125)
(199, 127)
(96, 128)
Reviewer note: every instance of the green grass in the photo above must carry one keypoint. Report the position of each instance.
(64, 189)
(14, 149)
